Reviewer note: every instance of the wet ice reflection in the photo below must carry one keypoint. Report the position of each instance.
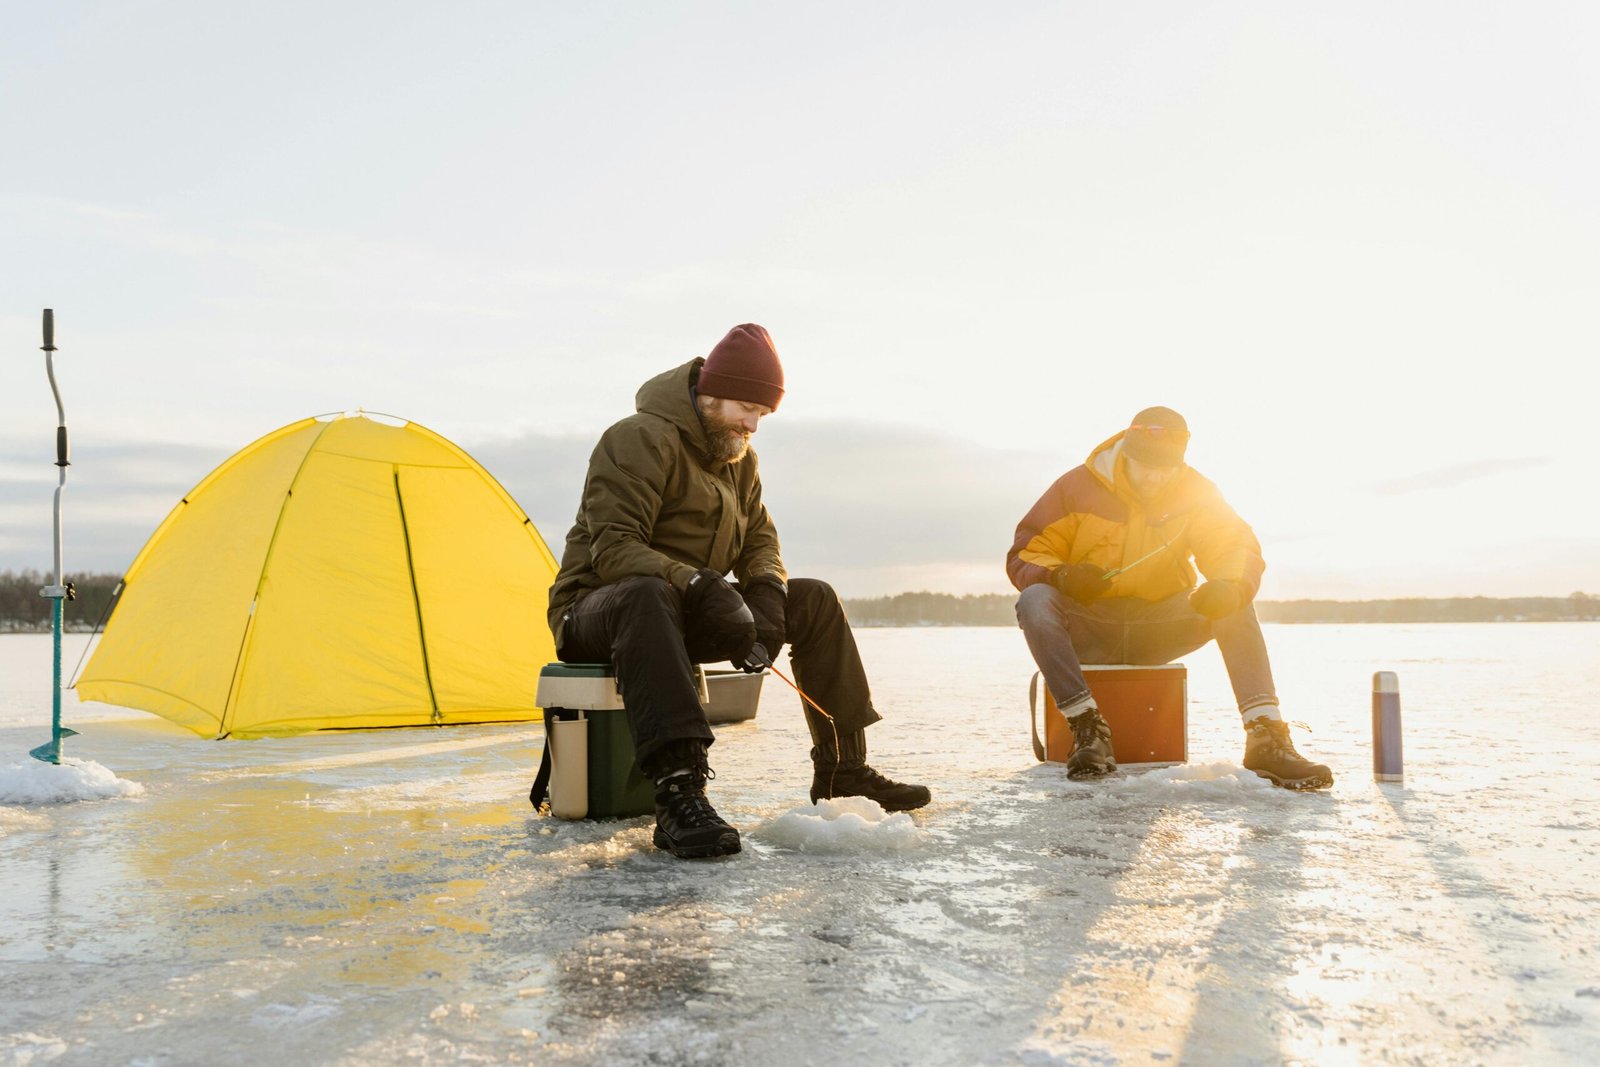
(371, 899)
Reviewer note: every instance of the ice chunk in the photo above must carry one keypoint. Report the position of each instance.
(35, 782)
(28, 1048)
(1211, 781)
(847, 824)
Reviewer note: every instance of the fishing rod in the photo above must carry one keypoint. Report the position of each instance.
(62, 590)
(1165, 544)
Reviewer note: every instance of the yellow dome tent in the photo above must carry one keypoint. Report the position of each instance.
(338, 573)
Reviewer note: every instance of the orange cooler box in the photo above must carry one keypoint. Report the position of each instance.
(1147, 707)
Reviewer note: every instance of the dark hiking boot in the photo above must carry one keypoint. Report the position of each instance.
(862, 781)
(848, 775)
(686, 824)
(1269, 752)
(1091, 746)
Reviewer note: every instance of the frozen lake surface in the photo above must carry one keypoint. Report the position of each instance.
(383, 897)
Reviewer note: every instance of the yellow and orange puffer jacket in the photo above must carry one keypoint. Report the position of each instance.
(1092, 515)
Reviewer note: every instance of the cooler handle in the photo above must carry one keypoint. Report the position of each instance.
(540, 793)
(541, 781)
(1033, 716)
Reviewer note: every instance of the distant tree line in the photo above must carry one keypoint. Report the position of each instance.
(934, 609)
(999, 609)
(1575, 608)
(23, 610)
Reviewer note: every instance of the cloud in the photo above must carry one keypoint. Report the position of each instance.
(872, 507)
(1546, 566)
(851, 493)
(312, 269)
(543, 473)
(107, 212)
(1454, 475)
(116, 495)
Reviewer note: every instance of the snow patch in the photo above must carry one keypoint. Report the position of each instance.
(845, 824)
(27, 1047)
(36, 782)
(1210, 781)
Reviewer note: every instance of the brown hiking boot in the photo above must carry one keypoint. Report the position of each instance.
(1091, 746)
(1269, 752)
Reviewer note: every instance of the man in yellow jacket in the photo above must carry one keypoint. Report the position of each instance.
(1106, 563)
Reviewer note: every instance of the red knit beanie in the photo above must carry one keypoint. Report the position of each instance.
(744, 366)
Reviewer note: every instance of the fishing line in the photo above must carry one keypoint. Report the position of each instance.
(838, 754)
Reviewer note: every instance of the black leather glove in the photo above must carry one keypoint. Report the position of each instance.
(1217, 599)
(716, 609)
(755, 661)
(767, 599)
(1083, 582)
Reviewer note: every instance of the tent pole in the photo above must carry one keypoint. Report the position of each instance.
(61, 590)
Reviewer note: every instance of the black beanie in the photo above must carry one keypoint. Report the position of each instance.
(1156, 437)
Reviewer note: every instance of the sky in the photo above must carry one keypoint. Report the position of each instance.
(1356, 245)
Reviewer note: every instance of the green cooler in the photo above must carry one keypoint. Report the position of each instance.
(593, 774)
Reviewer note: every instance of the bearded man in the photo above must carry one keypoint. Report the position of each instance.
(671, 505)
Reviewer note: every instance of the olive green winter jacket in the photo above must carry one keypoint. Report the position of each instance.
(655, 504)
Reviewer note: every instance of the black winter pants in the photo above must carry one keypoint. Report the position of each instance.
(638, 626)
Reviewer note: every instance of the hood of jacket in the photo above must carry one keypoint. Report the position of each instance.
(1102, 463)
(1093, 515)
(669, 395)
(656, 504)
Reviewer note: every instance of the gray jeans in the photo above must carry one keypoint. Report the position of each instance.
(1063, 635)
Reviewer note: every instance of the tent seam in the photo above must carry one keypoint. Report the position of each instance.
(255, 599)
(416, 597)
(470, 462)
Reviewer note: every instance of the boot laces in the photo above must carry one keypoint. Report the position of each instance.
(1277, 741)
(686, 795)
(1088, 729)
(692, 810)
(869, 777)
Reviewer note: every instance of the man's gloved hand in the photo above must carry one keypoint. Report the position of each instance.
(1217, 599)
(767, 599)
(1083, 582)
(755, 661)
(716, 609)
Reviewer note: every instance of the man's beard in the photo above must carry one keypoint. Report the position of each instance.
(728, 445)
